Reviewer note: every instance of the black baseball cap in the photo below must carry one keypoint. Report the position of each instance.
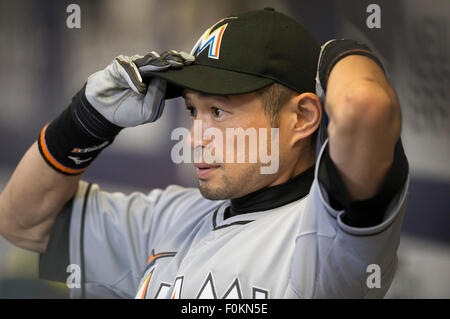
(246, 52)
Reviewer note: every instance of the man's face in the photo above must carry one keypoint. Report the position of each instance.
(229, 179)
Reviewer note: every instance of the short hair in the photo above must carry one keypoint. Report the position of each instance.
(273, 98)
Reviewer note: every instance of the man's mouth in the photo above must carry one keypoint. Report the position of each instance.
(204, 170)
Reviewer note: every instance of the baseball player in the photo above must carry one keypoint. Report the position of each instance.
(309, 230)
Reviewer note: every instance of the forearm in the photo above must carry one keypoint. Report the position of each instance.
(364, 124)
(48, 175)
(31, 200)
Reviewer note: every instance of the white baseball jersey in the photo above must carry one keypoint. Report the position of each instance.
(173, 243)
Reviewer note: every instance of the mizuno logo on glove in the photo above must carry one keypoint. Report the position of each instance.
(79, 161)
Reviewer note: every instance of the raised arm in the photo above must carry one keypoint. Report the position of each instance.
(364, 117)
(47, 176)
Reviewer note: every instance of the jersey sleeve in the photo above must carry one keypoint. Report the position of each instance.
(336, 257)
(109, 237)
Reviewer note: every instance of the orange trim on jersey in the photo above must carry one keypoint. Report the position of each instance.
(147, 280)
(52, 160)
(153, 256)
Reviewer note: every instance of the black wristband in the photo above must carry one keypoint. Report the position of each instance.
(338, 50)
(74, 139)
(369, 212)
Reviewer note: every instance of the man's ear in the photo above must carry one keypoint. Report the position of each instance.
(308, 111)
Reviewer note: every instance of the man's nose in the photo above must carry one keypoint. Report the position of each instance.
(196, 135)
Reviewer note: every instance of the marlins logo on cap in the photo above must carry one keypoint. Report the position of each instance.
(211, 39)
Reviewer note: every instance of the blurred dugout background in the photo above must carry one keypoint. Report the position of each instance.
(43, 64)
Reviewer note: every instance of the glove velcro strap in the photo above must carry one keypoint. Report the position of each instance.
(74, 139)
(336, 51)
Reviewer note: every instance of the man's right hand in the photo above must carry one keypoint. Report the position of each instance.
(119, 94)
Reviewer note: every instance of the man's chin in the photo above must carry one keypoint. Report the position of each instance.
(213, 192)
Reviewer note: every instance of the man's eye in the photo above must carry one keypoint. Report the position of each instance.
(217, 112)
(192, 111)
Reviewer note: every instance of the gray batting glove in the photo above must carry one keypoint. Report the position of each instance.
(119, 94)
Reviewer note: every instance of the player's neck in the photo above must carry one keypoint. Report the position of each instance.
(305, 161)
(303, 164)
(273, 197)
